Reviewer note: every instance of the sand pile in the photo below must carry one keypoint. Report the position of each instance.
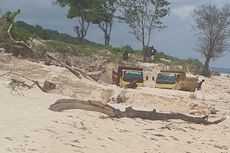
(164, 104)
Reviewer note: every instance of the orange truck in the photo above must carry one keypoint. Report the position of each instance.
(126, 75)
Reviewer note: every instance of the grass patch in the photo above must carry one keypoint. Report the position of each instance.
(176, 61)
(82, 49)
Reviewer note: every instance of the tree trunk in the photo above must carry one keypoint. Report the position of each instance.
(107, 40)
(97, 106)
(106, 27)
(83, 29)
(205, 71)
(144, 51)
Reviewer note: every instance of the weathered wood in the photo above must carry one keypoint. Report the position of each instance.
(95, 73)
(76, 71)
(117, 98)
(77, 74)
(15, 41)
(48, 86)
(97, 106)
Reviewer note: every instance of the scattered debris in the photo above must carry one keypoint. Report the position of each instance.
(2, 50)
(212, 110)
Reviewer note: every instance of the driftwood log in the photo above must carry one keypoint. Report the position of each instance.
(77, 74)
(97, 106)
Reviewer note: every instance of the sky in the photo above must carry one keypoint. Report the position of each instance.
(176, 40)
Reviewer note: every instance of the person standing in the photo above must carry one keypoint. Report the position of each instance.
(125, 56)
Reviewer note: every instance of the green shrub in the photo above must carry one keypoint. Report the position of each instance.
(82, 49)
(21, 34)
(122, 49)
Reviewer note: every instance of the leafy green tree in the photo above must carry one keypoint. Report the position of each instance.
(10, 16)
(3, 29)
(212, 27)
(79, 9)
(103, 15)
(143, 16)
(7, 22)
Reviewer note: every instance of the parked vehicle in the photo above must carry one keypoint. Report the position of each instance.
(126, 75)
(171, 79)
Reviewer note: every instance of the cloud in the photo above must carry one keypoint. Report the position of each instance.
(183, 11)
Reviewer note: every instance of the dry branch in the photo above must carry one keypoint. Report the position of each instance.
(5, 74)
(20, 42)
(97, 106)
(21, 83)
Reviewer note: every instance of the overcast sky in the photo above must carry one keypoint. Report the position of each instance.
(176, 40)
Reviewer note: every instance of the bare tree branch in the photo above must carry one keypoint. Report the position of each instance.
(212, 28)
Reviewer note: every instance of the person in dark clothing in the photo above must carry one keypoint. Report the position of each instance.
(125, 56)
(153, 52)
(44, 35)
(199, 84)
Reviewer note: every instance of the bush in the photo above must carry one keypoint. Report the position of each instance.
(20, 34)
(122, 49)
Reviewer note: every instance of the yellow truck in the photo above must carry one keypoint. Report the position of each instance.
(171, 79)
(126, 75)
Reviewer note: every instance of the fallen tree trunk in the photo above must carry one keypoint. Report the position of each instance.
(97, 106)
(77, 71)
(77, 74)
(95, 73)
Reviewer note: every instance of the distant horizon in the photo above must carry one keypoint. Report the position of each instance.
(220, 70)
(219, 67)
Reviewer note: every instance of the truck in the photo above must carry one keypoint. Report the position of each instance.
(176, 79)
(126, 75)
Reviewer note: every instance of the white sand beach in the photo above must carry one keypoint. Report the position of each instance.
(27, 125)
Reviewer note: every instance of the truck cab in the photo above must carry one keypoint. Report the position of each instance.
(178, 80)
(126, 75)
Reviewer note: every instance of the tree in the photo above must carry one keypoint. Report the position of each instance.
(81, 10)
(212, 28)
(10, 16)
(7, 21)
(103, 15)
(143, 16)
